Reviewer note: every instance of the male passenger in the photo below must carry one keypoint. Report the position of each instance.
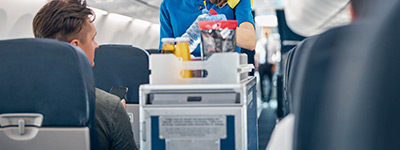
(71, 21)
(266, 47)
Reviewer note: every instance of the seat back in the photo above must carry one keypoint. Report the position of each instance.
(295, 68)
(153, 51)
(123, 66)
(309, 76)
(356, 106)
(47, 96)
(289, 39)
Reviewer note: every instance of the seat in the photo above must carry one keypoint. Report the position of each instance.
(153, 51)
(287, 67)
(47, 96)
(289, 39)
(309, 78)
(123, 66)
(295, 66)
(356, 106)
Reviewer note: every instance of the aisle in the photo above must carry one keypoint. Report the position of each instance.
(266, 124)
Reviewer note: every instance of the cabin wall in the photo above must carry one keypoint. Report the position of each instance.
(16, 18)
(118, 29)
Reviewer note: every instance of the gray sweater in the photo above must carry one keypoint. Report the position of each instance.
(112, 122)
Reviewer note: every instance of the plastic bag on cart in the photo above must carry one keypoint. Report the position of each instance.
(217, 37)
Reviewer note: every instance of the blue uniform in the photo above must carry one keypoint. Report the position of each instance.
(176, 16)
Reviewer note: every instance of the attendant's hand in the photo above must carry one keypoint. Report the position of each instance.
(246, 36)
(123, 103)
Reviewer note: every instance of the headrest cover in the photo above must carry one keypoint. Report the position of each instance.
(49, 77)
(311, 17)
(123, 66)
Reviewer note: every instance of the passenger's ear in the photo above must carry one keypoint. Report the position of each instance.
(74, 42)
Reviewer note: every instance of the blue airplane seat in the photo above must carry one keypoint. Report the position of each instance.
(122, 66)
(295, 67)
(47, 96)
(356, 107)
(289, 40)
(310, 75)
(153, 51)
(285, 77)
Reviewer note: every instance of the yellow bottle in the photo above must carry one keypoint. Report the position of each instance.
(182, 50)
(168, 46)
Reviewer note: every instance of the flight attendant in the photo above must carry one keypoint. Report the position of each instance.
(176, 16)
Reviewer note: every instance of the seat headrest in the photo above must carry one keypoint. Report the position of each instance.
(49, 77)
(123, 66)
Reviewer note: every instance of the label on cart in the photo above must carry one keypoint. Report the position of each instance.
(249, 97)
(192, 126)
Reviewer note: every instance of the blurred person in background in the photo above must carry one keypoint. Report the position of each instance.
(267, 50)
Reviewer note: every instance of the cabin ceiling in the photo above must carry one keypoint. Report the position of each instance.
(139, 9)
(149, 9)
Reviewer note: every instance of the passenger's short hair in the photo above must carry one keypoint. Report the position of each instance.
(62, 20)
